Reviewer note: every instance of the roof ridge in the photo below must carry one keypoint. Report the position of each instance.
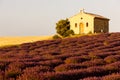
(91, 14)
(96, 15)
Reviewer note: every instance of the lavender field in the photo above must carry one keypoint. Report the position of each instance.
(94, 57)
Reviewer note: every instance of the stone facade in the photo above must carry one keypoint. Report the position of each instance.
(101, 25)
(84, 23)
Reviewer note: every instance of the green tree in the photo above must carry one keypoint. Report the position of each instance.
(63, 28)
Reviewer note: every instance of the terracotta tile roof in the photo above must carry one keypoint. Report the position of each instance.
(96, 15)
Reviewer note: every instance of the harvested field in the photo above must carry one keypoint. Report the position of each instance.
(8, 41)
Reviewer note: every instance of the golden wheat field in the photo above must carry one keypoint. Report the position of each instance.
(8, 41)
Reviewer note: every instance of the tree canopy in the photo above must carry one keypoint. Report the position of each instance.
(63, 28)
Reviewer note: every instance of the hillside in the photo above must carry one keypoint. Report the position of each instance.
(8, 41)
(82, 58)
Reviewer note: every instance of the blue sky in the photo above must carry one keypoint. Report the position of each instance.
(38, 17)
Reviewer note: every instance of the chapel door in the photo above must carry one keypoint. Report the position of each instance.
(81, 28)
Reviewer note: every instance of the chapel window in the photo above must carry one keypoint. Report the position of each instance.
(76, 25)
(87, 24)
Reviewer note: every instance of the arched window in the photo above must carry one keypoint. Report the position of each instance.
(76, 25)
(87, 24)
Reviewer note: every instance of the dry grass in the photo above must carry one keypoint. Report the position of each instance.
(8, 41)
